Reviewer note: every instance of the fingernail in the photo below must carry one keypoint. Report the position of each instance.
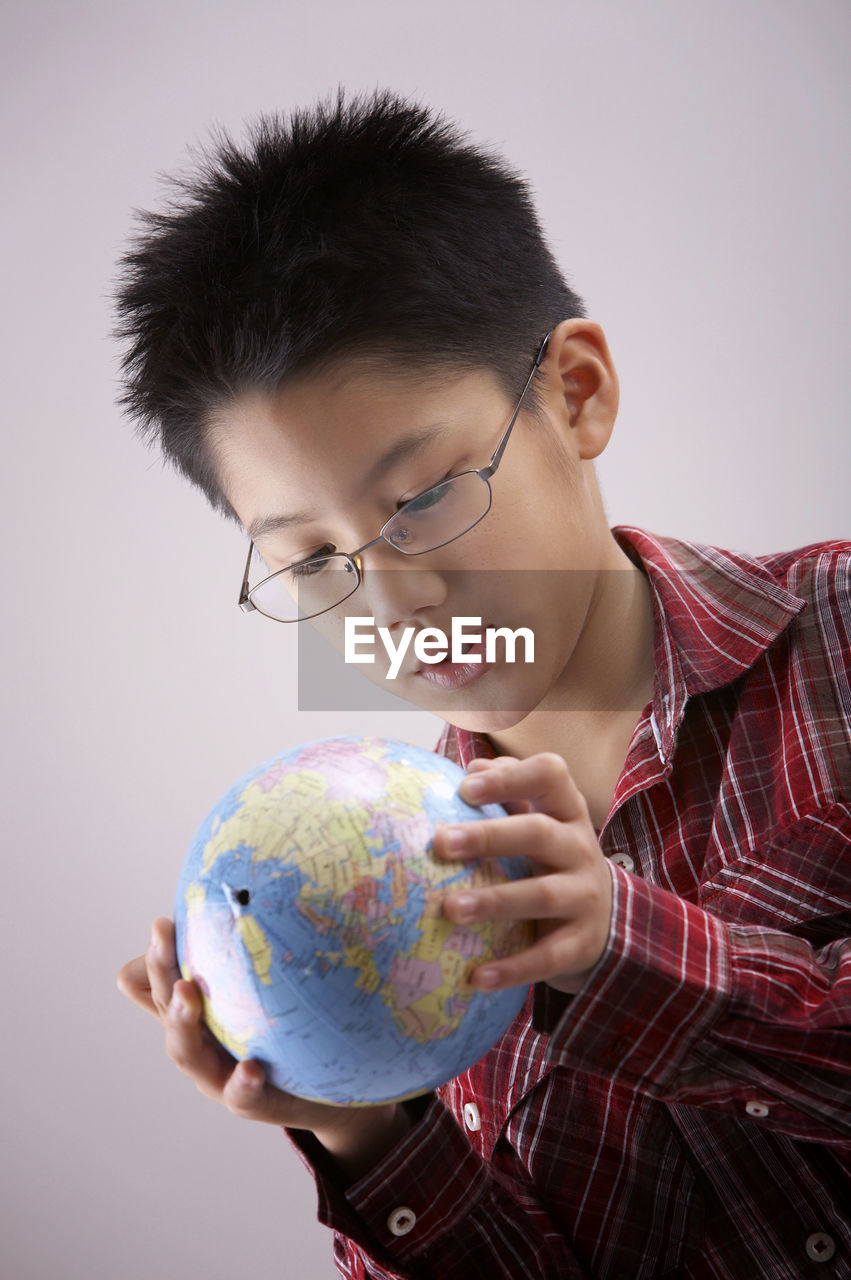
(473, 787)
(487, 977)
(466, 904)
(178, 1006)
(456, 837)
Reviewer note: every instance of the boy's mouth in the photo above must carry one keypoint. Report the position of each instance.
(457, 675)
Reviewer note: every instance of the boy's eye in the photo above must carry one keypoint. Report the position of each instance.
(430, 498)
(308, 566)
(305, 569)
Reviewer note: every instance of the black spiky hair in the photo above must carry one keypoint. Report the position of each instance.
(367, 227)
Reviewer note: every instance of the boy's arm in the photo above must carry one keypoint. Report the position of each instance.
(751, 1021)
(400, 1181)
(434, 1209)
(356, 1135)
(679, 1004)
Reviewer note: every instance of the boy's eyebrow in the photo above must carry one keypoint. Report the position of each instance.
(407, 447)
(270, 524)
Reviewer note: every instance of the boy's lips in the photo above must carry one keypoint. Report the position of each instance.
(457, 675)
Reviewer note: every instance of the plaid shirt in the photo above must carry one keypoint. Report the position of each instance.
(687, 1114)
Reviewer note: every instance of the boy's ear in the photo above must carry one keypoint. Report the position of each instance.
(580, 384)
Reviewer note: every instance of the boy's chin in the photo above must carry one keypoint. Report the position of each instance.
(479, 710)
(479, 721)
(490, 705)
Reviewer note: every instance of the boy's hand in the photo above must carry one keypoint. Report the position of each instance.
(569, 895)
(357, 1136)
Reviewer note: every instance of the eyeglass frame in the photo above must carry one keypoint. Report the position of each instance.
(354, 557)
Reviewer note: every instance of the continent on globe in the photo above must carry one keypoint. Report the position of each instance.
(309, 913)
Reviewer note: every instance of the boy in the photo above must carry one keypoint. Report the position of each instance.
(352, 337)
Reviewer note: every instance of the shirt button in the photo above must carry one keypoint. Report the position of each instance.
(472, 1119)
(757, 1108)
(623, 860)
(820, 1246)
(401, 1221)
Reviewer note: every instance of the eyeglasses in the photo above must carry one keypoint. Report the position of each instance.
(429, 520)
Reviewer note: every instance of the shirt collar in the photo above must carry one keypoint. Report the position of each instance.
(715, 614)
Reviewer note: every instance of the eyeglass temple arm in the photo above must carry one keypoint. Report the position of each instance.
(244, 603)
(487, 472)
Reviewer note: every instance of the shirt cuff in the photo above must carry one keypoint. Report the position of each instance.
(433, 1173)
(662, 982)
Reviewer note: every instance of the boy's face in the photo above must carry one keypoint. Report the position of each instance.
(339, 453)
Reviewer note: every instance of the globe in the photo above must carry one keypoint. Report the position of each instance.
(308, 911)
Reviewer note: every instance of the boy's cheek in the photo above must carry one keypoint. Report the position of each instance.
(329, 626)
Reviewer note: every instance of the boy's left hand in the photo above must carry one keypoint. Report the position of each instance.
(568, 896)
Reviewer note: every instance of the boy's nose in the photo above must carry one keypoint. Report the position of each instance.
(402, 595)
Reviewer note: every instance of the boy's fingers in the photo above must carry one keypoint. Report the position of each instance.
(244, 1088)
(198, 1056)
(551, 897)
(556, 953)
(480, 765)
(536, 836)
(133, 982)
(161, 958)
(248, 1096)
(148, 980)
(543, 779)
(163, 931)
(486, 762)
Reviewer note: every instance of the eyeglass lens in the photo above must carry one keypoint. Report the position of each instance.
(438, 515)
(428, 521)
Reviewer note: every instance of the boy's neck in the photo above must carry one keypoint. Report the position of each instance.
(596, 703)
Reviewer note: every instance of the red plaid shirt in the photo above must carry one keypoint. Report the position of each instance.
(688, 1112)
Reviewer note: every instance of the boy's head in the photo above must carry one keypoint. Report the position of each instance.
(369, 229)
(327, 325)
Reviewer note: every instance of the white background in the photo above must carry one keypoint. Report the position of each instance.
(689, 159)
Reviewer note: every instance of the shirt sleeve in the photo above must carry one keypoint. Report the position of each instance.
(688, 1008)
(456, 1215)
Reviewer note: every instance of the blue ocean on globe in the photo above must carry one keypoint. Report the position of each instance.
(308, 912)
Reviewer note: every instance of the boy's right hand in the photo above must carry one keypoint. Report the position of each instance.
(356, 1136)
